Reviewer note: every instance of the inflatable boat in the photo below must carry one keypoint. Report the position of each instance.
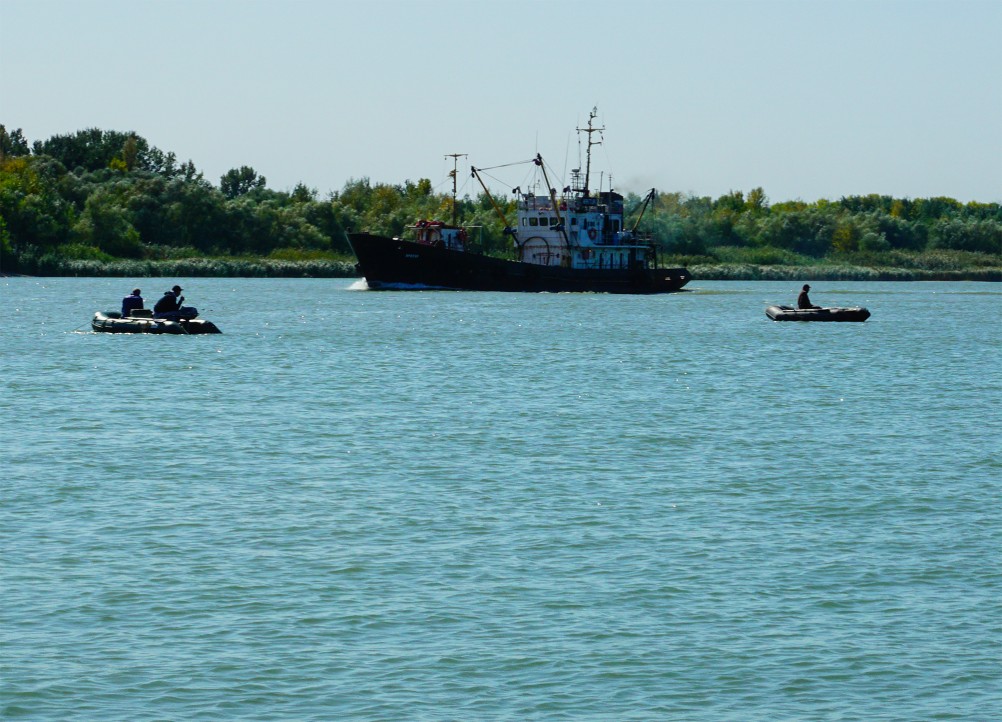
(788, 313)
(181, 322)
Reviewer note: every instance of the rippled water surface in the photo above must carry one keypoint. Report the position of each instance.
(459, 506)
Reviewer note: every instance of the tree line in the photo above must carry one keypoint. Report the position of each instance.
(104, 195)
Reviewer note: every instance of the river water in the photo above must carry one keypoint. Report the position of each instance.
(474, 506)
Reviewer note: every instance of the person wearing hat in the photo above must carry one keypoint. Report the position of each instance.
(171, 301)
(803, 301)
(132, 302)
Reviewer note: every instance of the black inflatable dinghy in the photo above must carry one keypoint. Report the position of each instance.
(143, 321)
(787, 313)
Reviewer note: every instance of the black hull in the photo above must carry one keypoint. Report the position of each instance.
(392, 263)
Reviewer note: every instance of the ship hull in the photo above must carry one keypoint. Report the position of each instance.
(393, 263)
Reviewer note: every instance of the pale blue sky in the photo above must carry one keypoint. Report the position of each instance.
(807, 98)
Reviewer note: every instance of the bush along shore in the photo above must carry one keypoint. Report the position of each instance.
(732, 264)
(704, 269)
(836, 273)
(107, 203)
(194, 268)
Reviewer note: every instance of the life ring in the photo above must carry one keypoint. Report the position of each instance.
(592, 233)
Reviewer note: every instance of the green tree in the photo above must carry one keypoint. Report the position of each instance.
(12, 144)
(105, 225)
(161, 163)
(92, 149)
(240, 181)
(872, 242)
(897, 231)
(959, 235)
(810, 231)
(733, 201)
(202, 211)
(933, 209)
(130, 152)
(758, 201)
(303, 194)
(845, 237)
(33, 211)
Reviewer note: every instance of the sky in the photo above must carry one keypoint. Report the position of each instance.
(807, 99)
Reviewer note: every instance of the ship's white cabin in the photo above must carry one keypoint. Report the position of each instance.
(579, 231)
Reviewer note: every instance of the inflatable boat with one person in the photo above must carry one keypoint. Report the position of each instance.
(788, 313)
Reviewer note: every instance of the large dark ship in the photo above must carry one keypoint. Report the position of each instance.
(575, 240)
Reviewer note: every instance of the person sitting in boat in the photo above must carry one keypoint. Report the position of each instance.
(171, 301)
(169, 306)
(132, 302)
(803, 301)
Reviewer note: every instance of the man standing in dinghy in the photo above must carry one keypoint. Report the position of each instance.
(803, 301)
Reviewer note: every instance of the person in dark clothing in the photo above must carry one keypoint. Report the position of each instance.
(171, 301)
(803, 301)
(132, 302)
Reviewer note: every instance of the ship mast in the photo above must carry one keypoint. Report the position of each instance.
(589, 130)
(455, 165)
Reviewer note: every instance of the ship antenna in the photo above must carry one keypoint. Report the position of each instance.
(589, 130)
(455, 165)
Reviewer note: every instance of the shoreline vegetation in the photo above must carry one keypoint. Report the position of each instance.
(271, 268)
(105, 203)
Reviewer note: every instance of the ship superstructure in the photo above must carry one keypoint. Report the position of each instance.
(574, 240)
(578, 228)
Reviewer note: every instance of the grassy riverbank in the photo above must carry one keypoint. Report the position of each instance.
(770, 264)
(739, 272)
(725, 264)
(199, 268)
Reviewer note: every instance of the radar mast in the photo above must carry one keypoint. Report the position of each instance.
(589, 130)
(453, 173)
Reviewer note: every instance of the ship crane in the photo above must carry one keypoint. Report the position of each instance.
(508, 230)
(553, 200)
(647, 199)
